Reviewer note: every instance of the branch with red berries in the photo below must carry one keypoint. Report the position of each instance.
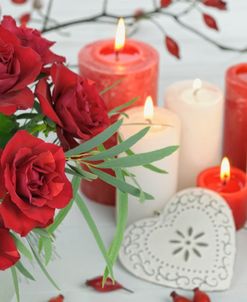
(160, 11)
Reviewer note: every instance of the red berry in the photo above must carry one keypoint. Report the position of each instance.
(178, 298)
(200, 296)
(210, 21)
(172, 47)
(165, 3)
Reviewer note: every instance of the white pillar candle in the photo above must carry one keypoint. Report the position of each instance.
(164, 132)
(200, 107)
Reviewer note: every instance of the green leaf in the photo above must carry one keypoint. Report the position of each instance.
(116, 83)
(42, 232)
(24, 271)
(148, 166)
(22, 248)
(8, 127)
(47, 246)
(122, 107)
(16, 283)
(64, 212)
(82, 173)
(96, 141)
(42, 267)
(122, 147)
(122, 214)
(86, 214)
(138, 159)
(120, 184)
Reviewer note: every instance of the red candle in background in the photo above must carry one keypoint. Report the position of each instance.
(105, 62)
(135, 62)
(235, 136)
(231, 184)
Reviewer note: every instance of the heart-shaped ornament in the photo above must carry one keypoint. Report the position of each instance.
(191, 244)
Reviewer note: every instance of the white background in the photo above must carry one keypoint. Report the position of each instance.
(79, 258)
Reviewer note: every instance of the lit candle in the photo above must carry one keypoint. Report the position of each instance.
(231, 184)
(136, 63)
(107, 62)
(200, 108)
(164, 131)
(235, 136)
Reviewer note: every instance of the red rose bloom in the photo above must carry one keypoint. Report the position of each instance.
(75, 106)
(32, 38)
(19, 67)
(32, 173)
(8, 252)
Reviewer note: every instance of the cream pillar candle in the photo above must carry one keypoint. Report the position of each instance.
(164, 131)
(200, 107)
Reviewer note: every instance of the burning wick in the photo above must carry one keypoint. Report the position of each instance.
(225, 171)
(197, 85)
(149, 110)
(119, 38)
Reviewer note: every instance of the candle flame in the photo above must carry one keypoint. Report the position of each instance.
(225, 170)
(120, 35)
(197, 85)
(149, 109)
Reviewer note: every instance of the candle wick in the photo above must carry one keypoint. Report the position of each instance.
(195, 93)
(117, 55)
(149, 121)
(225, 180)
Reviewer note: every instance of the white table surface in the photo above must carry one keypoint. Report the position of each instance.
(79, 258)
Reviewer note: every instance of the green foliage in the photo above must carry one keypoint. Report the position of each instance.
(8, 127)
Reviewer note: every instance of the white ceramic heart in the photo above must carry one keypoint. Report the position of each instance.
(191, 244)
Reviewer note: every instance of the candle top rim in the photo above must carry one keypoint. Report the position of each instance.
(177, 89)
(233, 73)
(138, 111)
(234, 172)
(89, 55)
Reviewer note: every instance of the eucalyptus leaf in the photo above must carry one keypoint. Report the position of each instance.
(22, 248)
(120, 184)
(138, 159)
(122, 215)
(148, 166)
(123, 106)
(42, 267)
(116, 83)
(122, 147)
(16, 283)
(92, 226)
(96, 141)
(24, 271)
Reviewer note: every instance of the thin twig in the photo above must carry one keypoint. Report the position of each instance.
(107, 18)
(47, 15)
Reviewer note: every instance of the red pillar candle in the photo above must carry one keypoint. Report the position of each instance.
(135, 62)
(235, 137)
(105, 62)
(231, 184)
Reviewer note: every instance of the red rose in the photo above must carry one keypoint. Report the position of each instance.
(32, 173)
(19, 67)
(75, 106)
(8, 252)
(30, 37)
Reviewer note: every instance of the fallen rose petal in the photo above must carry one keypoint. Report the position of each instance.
(19, 1)
(109, 286)
(59, 298)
